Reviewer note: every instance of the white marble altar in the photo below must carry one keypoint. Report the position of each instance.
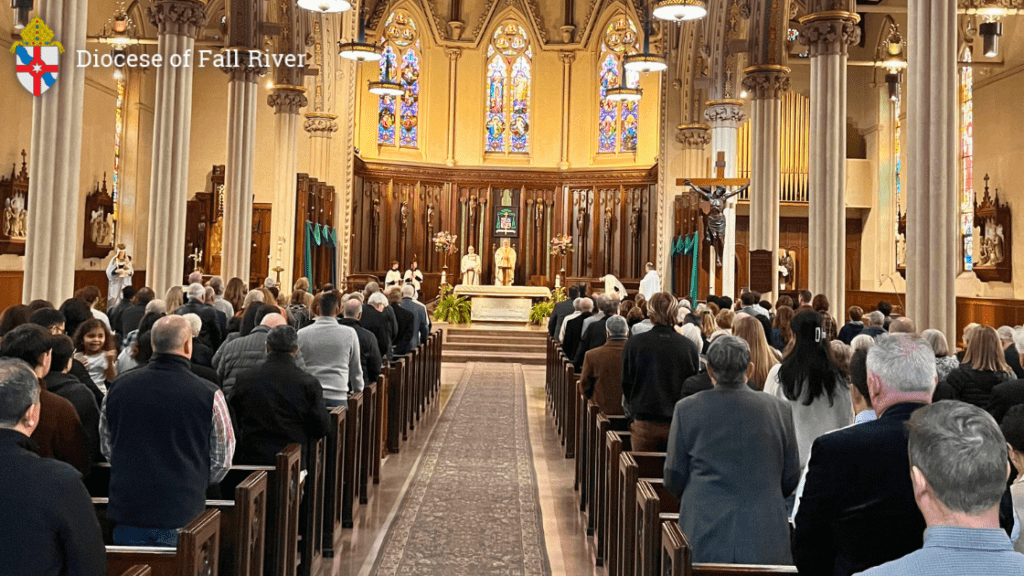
(502, 303)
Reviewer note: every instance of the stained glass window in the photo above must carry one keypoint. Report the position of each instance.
(967, 161)
(398, 117)
(618, 122)
(509, 85)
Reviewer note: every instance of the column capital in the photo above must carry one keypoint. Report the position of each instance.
(693, 136)
(242, 66)
(829, 33)
(287, 99)
(453, 54)
(765, 82)
(725, 113)
(178, 17)
(567, 58)
(320, 124)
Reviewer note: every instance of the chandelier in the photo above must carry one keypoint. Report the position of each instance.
(680, 10)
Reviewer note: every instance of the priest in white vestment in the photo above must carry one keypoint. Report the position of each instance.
(471, 268)
(505, 264)
(394, 277)
(119, 275)
(651, 284)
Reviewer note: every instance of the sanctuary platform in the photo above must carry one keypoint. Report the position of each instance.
(502, 303)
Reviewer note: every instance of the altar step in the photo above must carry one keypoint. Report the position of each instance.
(513, 345)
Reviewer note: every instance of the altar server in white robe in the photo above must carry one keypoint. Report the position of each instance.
(471, 268)
(651, 284)
(119, 275)
(613, 288)
(394, 276)
(414, 277)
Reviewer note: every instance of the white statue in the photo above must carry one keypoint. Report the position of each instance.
(901, 250)
(14, 216)
(119, 275)
(471, 268)
(505, 264)
(100, 227)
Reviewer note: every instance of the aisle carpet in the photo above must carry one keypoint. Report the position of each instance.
(472, 508)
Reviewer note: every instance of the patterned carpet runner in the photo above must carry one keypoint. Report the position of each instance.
(472, 508)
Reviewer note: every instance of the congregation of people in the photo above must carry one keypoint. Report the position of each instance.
(786, 434)
(171, 393)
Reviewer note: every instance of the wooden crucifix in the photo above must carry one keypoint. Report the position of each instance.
(715, 193)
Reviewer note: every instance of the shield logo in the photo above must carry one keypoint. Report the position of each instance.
(38, 57)
(38, 67)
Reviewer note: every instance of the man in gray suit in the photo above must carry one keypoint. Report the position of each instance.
(420, 321)
(732, 461)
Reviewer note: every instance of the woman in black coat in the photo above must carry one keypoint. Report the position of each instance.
(984, 367)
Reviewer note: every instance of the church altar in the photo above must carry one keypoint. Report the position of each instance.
(502, 303)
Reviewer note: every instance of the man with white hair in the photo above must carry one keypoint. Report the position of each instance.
(574, 327)
(875, 325)
(958, 469)
(194, 278)
(601, 377)
(217, 283)
(244, 353)
(421, 320)
(211, 334)
(208, 299)
(379, 319)
(858, 508)
(1010, 350)
(167, 435)
(577, 306)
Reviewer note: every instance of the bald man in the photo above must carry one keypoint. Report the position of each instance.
(167, 435)
(247, 352)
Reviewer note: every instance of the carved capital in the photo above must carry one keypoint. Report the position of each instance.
(178, 17)
(693, 136)
(287, 99)
(239, 66)
(829, 33)
(320, 125)
(766, 82)
(725, 113)
(567, 58)
(453, 54)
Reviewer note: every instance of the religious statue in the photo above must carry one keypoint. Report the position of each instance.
(505, 264)
(394, 276)
(14, 216)
(414, 277)
(901, 251)
(471, 266)
(714, 229)
(100, 228)
(119, 275)
(785, 270)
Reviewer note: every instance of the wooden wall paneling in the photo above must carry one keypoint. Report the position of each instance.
(854, 233)
(301, 214)
(11, 283)
(259, 265)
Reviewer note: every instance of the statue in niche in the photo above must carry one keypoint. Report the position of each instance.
(14, 216)
(714, 222)
(404, 212)
(901, 251)
(101, 227)
(786, 270)
(991, 245)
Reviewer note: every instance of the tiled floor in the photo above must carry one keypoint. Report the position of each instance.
(563, 532)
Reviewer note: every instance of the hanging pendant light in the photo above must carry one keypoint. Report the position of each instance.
(680, 10)
(386, 86)
(360, 50)
(325, 6)
(623, 93)
(645, 61)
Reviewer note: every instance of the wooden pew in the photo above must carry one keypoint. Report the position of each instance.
(197, 552)
(570, 410)
(380, 432)
(138, 571)
(311, 535)
(599, 475)
(334, 480)
(616, 443)
(396, 380)
(353, 460)
(632, 467)
(369, 450)
(677, 559)
(242, 523)
(654, 505)
(409, 402)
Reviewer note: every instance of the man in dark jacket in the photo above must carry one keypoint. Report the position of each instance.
(858, 508)
(47, 522)
(369, 353)
(132, 315)
(594, 334)
(167, 435)
(114, 314)
(421, 322)
(244, 353)
(60, 382)
(277, 404)
(211, 334)
(574, 328)
(406, 321)
(561, 310)
(376, 319)
(654, 366)
(601, 378)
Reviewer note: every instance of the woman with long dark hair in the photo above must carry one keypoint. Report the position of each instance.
(812, 383)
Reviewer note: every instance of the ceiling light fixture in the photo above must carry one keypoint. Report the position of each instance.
(325, 6)
(386, 86)
(680, 10)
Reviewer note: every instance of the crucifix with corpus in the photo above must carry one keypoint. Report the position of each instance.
(715, 193)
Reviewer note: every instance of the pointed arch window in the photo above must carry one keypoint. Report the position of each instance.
(509, 85)
(618, 122)
(966, 101)
(398, 117)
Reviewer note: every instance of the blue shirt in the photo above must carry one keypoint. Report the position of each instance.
(959, 552)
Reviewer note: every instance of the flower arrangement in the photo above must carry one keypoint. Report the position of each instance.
(444, 242)
(561, 245)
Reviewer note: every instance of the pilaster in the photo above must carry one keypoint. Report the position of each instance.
(725, 117)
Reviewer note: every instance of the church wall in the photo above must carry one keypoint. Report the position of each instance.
(17, 122)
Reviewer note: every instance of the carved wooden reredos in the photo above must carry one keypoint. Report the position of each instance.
(398, 209)
(14, 200)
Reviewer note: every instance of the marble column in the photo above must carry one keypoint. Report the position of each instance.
(567, 59)
(725, 117)
(56, 153)
(766, 85)
(238, 174)
(286, 102)
(320, 126)
(453, 68)
(178, 22)
(829, 35)
(932, 240)
(694, 138)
